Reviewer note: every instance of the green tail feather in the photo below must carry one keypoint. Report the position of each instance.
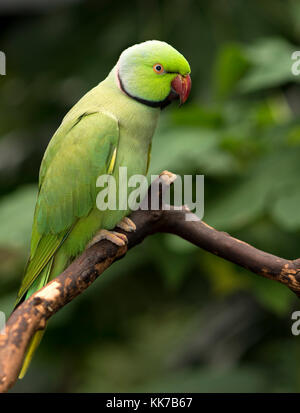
(40, 282)
(53, 268)
(33, 345)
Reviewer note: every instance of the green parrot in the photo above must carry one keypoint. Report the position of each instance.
(110, 127)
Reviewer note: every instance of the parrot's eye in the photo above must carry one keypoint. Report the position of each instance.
(158, 68)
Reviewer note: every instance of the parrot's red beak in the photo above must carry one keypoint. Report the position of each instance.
(182, 86)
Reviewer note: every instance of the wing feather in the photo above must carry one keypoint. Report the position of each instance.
(80, 151)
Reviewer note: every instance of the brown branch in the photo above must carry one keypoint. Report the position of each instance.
(32, 315)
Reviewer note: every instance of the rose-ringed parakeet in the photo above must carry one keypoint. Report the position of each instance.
(110, 127)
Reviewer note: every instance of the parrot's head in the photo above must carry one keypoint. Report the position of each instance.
(154, 73)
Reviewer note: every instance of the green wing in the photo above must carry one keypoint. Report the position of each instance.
(82, 149)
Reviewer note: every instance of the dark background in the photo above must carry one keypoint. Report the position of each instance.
(168, 317)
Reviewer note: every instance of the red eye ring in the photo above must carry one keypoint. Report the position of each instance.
(158, 68)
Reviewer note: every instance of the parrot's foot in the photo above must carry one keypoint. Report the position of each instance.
(112, 236)
(127, 225)
(168, 177)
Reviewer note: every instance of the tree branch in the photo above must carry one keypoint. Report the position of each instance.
(32, 314)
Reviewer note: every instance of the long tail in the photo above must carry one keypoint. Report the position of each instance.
(52, 269)
(33, 345)
(40, 282)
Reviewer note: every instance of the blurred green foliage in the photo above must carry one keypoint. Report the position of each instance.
(168, 317)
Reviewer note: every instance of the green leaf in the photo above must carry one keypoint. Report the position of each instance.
(271, 65)
(241, 206)
(230, 66)
(16, 216)
(286, 211)
(273, 296)
(190, 150)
